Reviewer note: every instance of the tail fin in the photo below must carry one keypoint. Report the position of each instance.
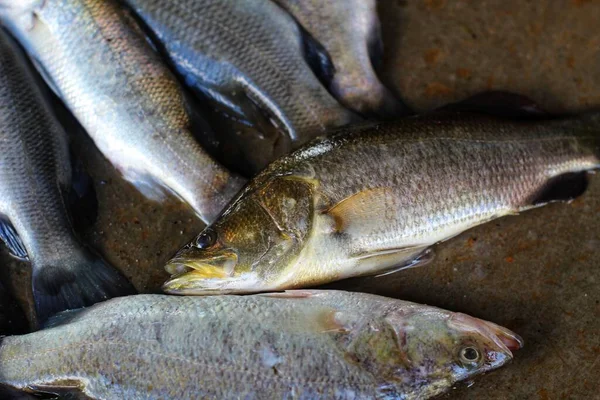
(74, 284)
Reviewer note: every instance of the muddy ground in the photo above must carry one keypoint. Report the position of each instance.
(537, 273)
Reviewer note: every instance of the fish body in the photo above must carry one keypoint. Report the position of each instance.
(350, 32)
(100, 64)
(35, 174)
(248, 59)
(305, 345)
(376, 197)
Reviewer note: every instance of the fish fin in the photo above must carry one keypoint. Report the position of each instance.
(147, 185)
(563, 187)
(62, 389)
(289, 294)
(317, 58)
(75, 283)
(375, 261)
(10, 237)
(7, 392)
(424, 258)
(334, 321)
(63, 318)
(499, 103)
(361, 212)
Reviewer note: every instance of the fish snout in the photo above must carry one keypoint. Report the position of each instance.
(211, 264)
(503, 341)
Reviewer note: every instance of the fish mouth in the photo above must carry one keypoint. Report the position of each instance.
(217, 265)
(209, 275)
(505, 340)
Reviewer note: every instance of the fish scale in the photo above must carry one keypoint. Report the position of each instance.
(241, 55)
(101, 65)
(310, 344)
(350, 32)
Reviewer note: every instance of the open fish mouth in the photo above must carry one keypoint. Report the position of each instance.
(209, 275)
(216, 265)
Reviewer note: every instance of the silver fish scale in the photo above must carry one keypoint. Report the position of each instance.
(260, 53)
(34, 161)
(119, 89)
(192, 347)
(456, 171)
(347, 29)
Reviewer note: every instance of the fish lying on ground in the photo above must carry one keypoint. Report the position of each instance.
(35, 174)
(300, 344)
(100, 64)
(350, 32)
(375, 197)
(248, 58)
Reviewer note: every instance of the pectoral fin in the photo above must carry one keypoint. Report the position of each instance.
(361, 213)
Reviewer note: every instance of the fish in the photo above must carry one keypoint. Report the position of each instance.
(35, 177)
(103, 67)
(374, 198)
(332, 345)
(251, 61)
(350, 32)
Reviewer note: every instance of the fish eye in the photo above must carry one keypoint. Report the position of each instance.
(206, 239)
(469, 355)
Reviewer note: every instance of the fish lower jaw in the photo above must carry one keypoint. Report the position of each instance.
(196, 283)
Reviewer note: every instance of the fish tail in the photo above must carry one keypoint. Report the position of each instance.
(80, 280)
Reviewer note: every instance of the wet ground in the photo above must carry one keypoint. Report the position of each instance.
(537, 274)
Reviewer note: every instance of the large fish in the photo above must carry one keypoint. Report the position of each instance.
(100, 64)
(298, 344)
(249, 58)
(35, 174)
(350, 32)
(374, 198)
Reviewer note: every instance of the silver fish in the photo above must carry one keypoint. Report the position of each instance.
(376, 197)
(248, 58)
(101, 65)
(302, 345)
(350, 32)
(34, 174)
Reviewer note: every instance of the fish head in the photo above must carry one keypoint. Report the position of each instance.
(248, 248)
(438, 348)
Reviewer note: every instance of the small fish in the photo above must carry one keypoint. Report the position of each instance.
(350, 32)
(35, 174)
(249, 58)
(297, 344)
(98, 62)
(374, 198)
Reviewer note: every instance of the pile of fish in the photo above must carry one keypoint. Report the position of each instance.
(195, 97)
